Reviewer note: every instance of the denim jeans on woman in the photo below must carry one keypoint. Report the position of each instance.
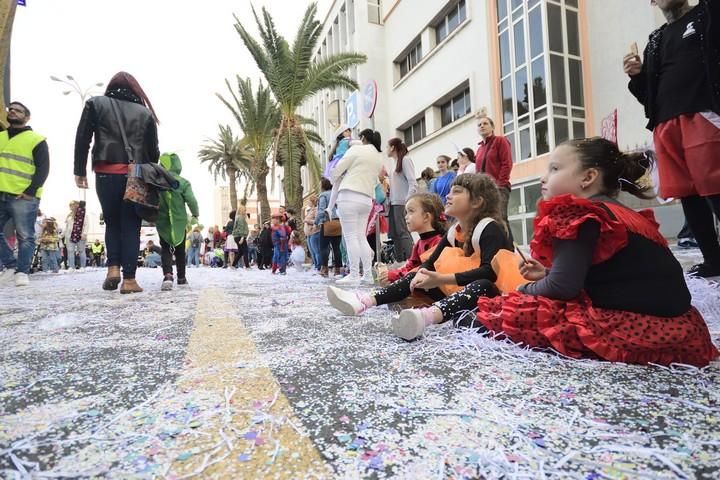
(78, 247)
(23, 213)
(122, 224)
(314, 246)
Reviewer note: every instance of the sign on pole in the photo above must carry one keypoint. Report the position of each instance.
(352, 108)
(608, 127)
(370, 95)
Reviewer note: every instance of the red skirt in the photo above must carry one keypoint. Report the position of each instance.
(579, 330)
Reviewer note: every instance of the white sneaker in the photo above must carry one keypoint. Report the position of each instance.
(22, 280)
(6, 276)
(70, 270)
(368, 279)
(409, 325)
(81, 269)
(349, 280)
(167, 284)
(347, 303)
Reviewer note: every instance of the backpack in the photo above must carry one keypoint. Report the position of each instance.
(195, 240)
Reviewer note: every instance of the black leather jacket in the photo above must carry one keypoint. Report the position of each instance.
(98, 119)
(644, 85)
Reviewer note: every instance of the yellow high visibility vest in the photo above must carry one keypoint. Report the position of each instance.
(16, 161)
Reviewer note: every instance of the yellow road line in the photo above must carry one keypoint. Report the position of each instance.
(218, 344)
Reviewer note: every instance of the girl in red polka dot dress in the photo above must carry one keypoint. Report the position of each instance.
(604, 283)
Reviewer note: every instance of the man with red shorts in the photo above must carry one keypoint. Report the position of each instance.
(678, 82)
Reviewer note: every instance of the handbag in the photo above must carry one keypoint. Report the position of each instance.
(137, 191)
(332, 228)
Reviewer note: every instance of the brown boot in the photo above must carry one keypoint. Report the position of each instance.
(338, 271)
(112, 280)
(129, 285)
(324, 272)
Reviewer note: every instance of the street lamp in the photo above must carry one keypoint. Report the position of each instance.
(70, 81)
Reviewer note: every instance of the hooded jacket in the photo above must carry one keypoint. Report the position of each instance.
(172, 220)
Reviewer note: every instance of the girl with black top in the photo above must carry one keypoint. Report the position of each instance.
(460, 264)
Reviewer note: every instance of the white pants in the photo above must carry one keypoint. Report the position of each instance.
(353, 218)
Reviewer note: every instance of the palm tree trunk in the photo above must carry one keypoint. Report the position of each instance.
(7, 15)
(294, 196)
(262, 195)
(232, 180)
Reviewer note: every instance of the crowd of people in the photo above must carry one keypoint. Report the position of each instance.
(601, 281)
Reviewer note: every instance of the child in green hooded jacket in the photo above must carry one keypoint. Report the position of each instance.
(173, 220)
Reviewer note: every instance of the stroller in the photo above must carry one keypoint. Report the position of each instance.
(387, 253)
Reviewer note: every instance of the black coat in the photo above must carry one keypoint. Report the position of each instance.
(98, 121)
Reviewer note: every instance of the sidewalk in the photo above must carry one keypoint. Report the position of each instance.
(248, 375)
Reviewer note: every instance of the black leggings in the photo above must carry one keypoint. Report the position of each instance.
(699, 215)
(167, 255)
(452, 307)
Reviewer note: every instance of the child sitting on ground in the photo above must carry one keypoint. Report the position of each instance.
(603, 283)
(423, 215)
(297, 252)
(461, 262)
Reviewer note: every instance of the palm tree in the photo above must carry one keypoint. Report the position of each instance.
(7, 15)
(258, 116)
(293, 77)
(226, 158)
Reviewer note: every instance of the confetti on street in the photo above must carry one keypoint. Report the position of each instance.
(247, 375)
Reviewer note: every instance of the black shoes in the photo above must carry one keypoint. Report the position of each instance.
(705, 270)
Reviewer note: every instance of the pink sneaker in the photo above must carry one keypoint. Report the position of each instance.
(348, 303)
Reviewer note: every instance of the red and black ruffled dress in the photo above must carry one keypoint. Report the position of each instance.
(635, 306)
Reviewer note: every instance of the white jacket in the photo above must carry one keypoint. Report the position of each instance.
(69, 220)
(361, 166)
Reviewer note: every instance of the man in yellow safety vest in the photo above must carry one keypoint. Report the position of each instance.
(24, 167)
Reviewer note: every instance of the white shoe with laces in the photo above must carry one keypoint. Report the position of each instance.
(368, 279)
(6, 276)
(348, 303)
(22, 280)
(349, 280)
(409, 325)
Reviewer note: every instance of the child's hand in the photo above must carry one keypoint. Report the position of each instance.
(382, 275)
(532, 270)
(426, 280)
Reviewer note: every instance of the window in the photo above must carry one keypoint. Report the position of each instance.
(522, 208)
(411, 60)
(456, 16)
(374, 12)
(415, 132)
(541, 75)
(456, 108)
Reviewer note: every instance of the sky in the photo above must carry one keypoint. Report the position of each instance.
(180, 51)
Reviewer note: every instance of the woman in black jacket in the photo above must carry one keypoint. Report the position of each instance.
(125, 100)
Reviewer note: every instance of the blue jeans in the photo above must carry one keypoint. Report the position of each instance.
(193, 256)
(72, 247)
(23, 213)
(252, 253)
(280, 257)
(122, 224)
(50, 261)
(314, 245)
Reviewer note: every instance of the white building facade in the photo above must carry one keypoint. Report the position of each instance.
(546, 71)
